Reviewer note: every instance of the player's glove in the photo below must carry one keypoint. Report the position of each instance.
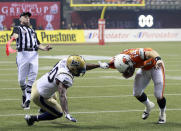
(103, 65)
(159, 63)
(70, 118)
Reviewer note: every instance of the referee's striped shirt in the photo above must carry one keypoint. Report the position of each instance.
(27, 40)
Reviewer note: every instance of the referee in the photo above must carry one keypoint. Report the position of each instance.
(27, 45)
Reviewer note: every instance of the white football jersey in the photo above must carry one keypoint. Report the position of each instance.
(47, 86)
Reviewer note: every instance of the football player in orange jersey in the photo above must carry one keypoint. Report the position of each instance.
(150, 67)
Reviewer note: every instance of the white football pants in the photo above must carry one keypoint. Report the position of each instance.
(27, 62)
(143, 78)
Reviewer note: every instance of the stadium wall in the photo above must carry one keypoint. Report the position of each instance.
(91, 36)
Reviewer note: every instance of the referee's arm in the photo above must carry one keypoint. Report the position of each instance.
(44, 48)
(15, 33)
(41, 47)
(15, 36)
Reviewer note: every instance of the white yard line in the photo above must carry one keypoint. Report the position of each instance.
(7, 62)
(95, 86)
(96, 112)
(12, 74)
(108, 86)
(121, 111)
(8, 69)
(93, 71)
(93, 97)
(98, 86)
(168, 77)
(6, 80)
(10, 99)
(88, 72)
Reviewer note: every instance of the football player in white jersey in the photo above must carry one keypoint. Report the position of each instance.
(60, 78)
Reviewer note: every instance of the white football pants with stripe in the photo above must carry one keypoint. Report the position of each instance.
(143, 78)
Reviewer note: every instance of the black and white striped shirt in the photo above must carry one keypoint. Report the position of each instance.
(27, 40)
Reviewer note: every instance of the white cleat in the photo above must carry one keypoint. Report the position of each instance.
(162, 119)
(26, 105)
(146, 113)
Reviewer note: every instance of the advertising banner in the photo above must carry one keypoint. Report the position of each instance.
(134, 35)
(45, 14)
(91, 36)
(61, 36)
(5, 37)
(51, 37)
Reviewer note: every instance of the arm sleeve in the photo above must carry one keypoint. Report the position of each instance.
(15, 30)
(37, 40)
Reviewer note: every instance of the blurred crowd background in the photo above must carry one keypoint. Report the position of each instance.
(165, 14)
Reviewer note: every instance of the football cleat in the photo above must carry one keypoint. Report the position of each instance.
(29, 120)
(146, 113)
(70, 118)
(162, 119)
(26, 105)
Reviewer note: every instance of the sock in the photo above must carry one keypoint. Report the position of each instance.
(44, 116)
(144, 99)
(147, 102)
(162, 105)
(28, 92)
(24, 99)
(23, 89)
(23, 93)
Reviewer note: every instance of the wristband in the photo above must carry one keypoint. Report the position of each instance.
(157, 58)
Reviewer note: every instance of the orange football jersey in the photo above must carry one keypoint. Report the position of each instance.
(138, 58)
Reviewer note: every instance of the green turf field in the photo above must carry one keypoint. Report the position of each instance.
(101, 100)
